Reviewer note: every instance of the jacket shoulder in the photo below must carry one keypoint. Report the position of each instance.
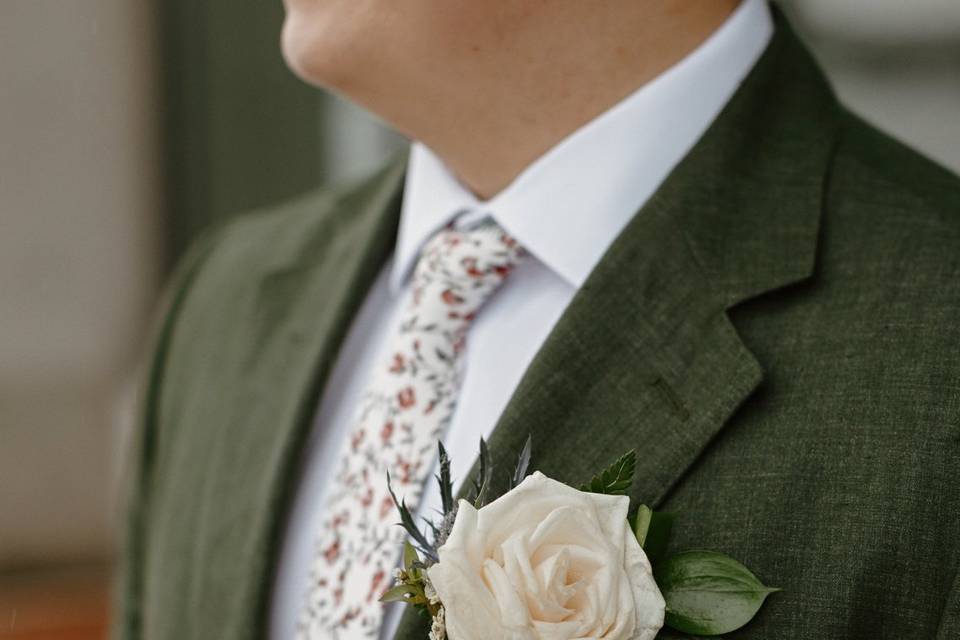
(885, 181)
(891, 217)
(268, 237)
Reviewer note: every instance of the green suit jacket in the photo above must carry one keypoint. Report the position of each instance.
(776, 333)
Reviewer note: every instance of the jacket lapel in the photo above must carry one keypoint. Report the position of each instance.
(299, 315)
(645, 358)
(646, 355)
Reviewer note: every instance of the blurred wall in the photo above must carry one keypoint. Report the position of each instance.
(78, 256)
(238, 130)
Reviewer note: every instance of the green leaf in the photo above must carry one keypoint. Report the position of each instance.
(653, 529)
(709, 593)
(615, 479)
(482, 482)
(523, 463)
(641, 524)
(408, 523)
(433, 528)
(658, 536)
(446, 484)
(399, 593)
(409, 556)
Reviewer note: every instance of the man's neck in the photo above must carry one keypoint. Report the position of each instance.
(522, 96)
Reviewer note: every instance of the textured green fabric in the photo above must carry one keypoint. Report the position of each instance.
(775, 332)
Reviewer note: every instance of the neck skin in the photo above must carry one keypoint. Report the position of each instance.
(493, 107)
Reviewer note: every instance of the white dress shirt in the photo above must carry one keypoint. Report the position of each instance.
(566, 209)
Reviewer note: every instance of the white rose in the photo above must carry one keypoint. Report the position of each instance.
(546, 562)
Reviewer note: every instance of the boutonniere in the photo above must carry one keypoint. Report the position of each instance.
(547, 560)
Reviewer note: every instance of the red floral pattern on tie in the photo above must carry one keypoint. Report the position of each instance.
(406, 410)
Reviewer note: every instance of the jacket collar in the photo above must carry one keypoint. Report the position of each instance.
(748, 198)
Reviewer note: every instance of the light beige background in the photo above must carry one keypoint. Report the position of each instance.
(78, 263)
(79, 228)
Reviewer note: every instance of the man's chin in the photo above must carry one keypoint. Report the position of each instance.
(317, 55)
(301, 51)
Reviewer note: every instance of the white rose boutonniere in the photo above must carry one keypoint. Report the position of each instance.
(546, 561)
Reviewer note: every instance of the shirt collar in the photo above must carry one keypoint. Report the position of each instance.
(568, 206)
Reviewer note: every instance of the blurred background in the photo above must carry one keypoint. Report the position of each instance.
(126, 127)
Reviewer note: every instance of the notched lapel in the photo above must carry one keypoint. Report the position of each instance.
(643, 358)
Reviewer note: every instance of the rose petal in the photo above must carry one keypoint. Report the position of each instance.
(650, 606)
(513, 611)
(458, 580)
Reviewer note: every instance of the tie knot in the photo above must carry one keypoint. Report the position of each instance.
(459, 269)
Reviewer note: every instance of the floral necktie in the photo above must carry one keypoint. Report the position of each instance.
(403, 414)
